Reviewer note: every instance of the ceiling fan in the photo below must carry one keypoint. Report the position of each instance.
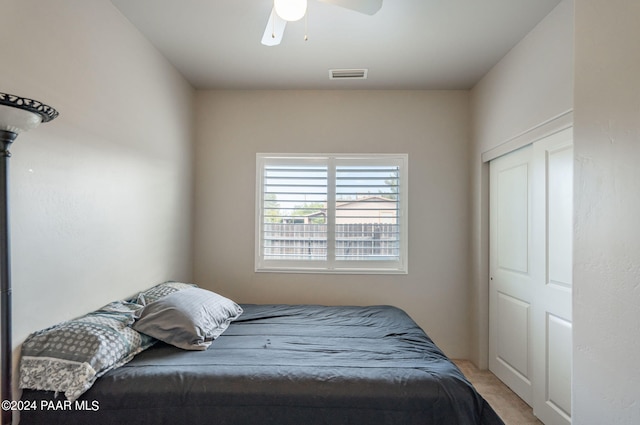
(292, 10)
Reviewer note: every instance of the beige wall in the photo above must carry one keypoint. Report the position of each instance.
(101, 197)
(432, 127)
(606, 302)
(530, 86)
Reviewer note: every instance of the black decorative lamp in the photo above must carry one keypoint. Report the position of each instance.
(17, 114)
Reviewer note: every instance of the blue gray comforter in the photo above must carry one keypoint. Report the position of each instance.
(284, 364)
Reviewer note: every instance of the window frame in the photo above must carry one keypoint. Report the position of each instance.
(332, 265)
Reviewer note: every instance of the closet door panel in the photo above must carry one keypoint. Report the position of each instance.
(511, 281)
(552, 265)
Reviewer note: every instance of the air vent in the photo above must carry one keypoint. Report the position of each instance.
(348, 74)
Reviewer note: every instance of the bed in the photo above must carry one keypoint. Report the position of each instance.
(281, 364)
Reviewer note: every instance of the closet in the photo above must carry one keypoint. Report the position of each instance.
(530, 236)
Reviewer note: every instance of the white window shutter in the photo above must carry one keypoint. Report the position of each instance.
(331, 213)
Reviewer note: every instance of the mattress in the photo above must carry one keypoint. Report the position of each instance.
(283, 364)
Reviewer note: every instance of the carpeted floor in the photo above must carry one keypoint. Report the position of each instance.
(505, 402)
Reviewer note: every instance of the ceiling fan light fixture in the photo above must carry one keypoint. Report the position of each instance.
(290, 10)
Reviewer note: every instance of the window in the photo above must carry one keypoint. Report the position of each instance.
(331, 213)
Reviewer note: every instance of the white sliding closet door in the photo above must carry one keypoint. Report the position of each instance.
(511, 282)
(531, 274)
(553, 265)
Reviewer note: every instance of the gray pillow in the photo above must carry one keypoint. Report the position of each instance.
(189, 319)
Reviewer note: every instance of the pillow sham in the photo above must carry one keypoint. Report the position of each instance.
(70, 356)
(189, 319)
(161, 290)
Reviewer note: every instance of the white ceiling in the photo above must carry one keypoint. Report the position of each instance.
(408, 44)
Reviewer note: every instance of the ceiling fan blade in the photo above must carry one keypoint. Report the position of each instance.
(368, 7)
(274, 31)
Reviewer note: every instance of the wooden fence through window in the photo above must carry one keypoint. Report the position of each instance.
(354, 241)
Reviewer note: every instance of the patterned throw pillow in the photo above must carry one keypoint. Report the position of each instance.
(70, 356)
(161, 290)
